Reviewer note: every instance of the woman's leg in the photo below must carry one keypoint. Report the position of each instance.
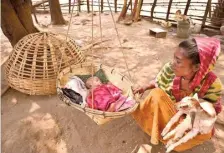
(154, 113)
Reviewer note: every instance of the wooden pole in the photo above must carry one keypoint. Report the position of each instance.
(123, 11)
(88, 6)
(134, 9)
(101, 5)
(206, 14)
(115, 5)
(141, 4)
(210, 11)
(131, 5)
(153, 7)
(79, 5)
(168, 11)
(187, 7)
(69, 6)
(138, 11)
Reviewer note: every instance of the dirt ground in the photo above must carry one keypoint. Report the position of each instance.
(44, 124)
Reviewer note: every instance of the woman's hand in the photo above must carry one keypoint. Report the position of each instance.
(139, 90)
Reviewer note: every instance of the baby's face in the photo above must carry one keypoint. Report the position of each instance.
(96, 81)
(93, 82)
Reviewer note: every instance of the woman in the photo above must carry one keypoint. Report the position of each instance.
(189, 73)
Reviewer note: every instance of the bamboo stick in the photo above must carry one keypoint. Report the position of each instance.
(88, 6)
(69, 6)
(187, 7)
(131, 5)
(134, 9)
(138, 11)
(79, 5)
(206, 13)
(86, 47)
(168, 11)
(115, 5)
(153, 7)
(123, 11)
(101, 5)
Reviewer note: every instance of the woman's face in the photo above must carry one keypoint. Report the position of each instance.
(182, 66)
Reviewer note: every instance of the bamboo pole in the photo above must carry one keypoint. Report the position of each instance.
(182, 3)
(153, 7)
(187, 7)
(138, 11)
(79, 5)
(134, 9)
(131, 5)
(206, 14)
(168, 10)
(88, 6)
(123, 11)
(101, 5)
(209, 11)
(115, 5)
(69, 6)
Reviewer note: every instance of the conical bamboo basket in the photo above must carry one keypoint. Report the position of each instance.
(33, 66)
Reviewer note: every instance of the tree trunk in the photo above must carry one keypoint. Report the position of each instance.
(138, 11)
(16, 21)
(135, 13)
(123, 11)
(134, 9)
(56, 14)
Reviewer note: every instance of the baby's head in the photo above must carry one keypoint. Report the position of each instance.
(93, 82)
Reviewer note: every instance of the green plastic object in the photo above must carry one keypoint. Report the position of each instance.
(100, 74)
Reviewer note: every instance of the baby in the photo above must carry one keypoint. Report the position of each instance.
(93, 82)
(106, 97)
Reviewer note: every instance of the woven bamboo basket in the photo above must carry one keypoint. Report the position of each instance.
(116, 78)
(33, 66)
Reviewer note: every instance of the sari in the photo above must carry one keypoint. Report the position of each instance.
(158, 108)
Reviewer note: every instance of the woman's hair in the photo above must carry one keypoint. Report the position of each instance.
(191, 50)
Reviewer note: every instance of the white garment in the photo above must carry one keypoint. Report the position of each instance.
(77, 85)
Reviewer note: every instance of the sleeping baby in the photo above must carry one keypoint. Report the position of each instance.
(106, 97)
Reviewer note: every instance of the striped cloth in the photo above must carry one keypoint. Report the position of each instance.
(205, 82)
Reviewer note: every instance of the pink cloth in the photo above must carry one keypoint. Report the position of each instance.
(123, 103)
(106, 94)
(209, 49)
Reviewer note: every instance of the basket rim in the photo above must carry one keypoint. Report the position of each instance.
(88, 110)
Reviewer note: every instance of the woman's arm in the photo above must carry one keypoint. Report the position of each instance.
(164, 77)
(141, 90)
